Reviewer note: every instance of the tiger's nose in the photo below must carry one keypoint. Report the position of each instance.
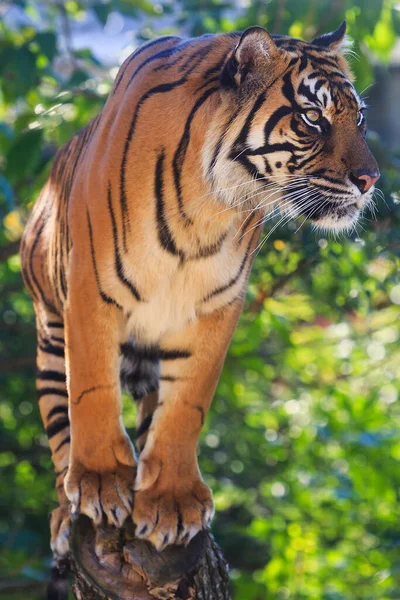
(364, 180)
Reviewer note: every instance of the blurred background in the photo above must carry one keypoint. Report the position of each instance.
(302, 445)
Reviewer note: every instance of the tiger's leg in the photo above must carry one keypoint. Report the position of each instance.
(171, 502)
(101, 469)
(53, 404)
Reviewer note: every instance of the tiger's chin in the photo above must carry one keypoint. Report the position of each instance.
(336, 216)
(343, 219)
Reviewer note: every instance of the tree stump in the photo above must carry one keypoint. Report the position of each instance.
(111, 564)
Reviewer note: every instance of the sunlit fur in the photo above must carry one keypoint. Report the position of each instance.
(139, 248)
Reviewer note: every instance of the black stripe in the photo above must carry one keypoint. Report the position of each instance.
(216, 152)
(201, 411)
(49, 375)
(305, 161)
(319, 85)
(55, 325)
(136, 54)
(207, 82)
(322, 60)
(163, 88)
(273, 121)
(40, 289)
(57, 427)
(162, 54)
(65, 441)
(60, 409)
(46, 346)
(50, 391)
(90, 391)
(165, 236)
(303, 64)
(235, 278)
(81, 139)
(24, 254)
(331, 189)
(183, 46)
(165, 65)
(215, 68)
(272, 148)
(306, 92)
(152, 353)
(181, 150)
(250, 168)
(288, 91)
(221, 140)
(198, 53)
(321, 174)
(107, 299)
(144, 425)
(117, 256)
(243, 134)
(173, 354)
(58, 473)
(41, 293)
(207, 251)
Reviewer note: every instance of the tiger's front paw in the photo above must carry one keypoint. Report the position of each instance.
(169, 508)
(60, 530)
(96, 494)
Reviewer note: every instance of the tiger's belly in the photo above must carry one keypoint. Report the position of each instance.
(161, 315)
(174, 300)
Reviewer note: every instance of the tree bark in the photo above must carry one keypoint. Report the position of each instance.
(109, 564)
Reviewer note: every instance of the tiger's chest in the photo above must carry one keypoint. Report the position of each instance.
(175, 295)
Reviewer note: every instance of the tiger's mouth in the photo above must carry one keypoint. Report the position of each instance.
(333, 215)
(330, 212)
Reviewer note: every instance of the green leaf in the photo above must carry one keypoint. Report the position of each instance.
(18, 72)
(47, 42)
(24, 155)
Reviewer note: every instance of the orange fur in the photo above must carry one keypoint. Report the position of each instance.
(140, 247)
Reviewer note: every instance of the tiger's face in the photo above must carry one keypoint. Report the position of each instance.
(301, 145)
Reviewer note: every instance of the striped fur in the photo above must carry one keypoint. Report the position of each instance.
(139, 248)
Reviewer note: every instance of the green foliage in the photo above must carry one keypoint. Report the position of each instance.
(302, 444)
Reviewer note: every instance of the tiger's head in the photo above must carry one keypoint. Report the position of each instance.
(293, 131)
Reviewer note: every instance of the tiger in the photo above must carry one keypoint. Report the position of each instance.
(138, 251)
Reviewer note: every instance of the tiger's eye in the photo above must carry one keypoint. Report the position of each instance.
(313, 116)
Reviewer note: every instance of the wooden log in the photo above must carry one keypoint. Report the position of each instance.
(111, 564)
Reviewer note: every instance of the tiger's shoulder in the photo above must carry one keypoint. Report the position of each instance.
(184, 59)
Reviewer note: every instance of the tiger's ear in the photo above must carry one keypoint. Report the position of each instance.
(251, 60)
(334, 40)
